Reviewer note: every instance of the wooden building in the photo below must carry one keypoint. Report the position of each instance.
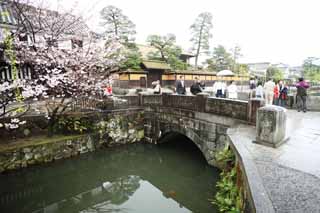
(157, 70)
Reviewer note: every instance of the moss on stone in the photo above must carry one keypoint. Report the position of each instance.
(36, 141)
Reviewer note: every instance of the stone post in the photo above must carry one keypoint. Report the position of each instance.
(201, 101)
(253, 105)
(140, 99)
(271, 126)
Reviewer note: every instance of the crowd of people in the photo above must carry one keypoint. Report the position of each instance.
(277, 93)
(274, 93)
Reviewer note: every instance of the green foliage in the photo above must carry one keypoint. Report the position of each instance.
(200, 31)
(166, 50)
(228, 197)
(72, 125)
(221, 59)
(242, 69)
(175, 62)
(226, 155)
(132, 58)
(117, 24)
(274, 73)
(311, 69)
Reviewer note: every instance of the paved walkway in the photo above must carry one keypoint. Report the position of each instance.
(290, 173)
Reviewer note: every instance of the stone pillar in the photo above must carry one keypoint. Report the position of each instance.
(253, 105)
(271, 126)
(201, 101)
(140, 99)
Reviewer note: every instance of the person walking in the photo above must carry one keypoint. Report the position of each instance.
(196, 87)
(259, 90)
(157, 88)
(268, 91)
(180, 86)
(283, 93)
(252, 86)
(276, 94)
(232, 90)
(302, 87)
(219, 89)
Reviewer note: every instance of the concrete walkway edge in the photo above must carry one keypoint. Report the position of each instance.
(259, 196)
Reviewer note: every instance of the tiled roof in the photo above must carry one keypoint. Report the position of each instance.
(192, 72)
(156, 65)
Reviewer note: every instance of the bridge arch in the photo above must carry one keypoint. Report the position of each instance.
(168, 136)
(208, 137)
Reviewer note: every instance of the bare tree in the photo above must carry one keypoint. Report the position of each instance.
(39, 22)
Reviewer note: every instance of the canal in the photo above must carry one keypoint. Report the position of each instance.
(138, 178)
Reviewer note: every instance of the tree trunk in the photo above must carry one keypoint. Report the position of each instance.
(199, 44)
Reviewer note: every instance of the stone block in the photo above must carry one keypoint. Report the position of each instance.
(271, 126)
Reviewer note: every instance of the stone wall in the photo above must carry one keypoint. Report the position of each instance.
(128, 119)
(236, 109)
(226, 107)
(119, 127)
(45, 152)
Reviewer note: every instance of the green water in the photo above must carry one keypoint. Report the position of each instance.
(140, 178)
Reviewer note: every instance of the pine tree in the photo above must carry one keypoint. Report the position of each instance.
(201, 34)
(117, 24)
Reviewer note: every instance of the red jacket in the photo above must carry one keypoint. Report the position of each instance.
(109, 90)
(276, 91)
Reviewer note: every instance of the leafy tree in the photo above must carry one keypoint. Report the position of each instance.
(200, 30)
(132, 58)
(274, 73)
(166, 50)
(311, 69)
(221, 59)
(163, 44)
(117, 24)
(242, 69)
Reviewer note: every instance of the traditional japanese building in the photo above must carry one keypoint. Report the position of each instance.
(77, 34)
(157, 70)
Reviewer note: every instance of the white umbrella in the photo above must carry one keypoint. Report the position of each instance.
(225, 73)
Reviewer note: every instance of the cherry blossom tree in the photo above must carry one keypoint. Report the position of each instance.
(61, 76)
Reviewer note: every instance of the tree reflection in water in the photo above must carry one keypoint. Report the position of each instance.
(119, 190)
(110, 181)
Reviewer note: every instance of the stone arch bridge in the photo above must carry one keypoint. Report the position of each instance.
(204, 120)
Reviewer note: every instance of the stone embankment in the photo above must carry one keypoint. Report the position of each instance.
(112, 129)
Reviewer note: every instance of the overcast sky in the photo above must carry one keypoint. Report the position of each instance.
(275, 31)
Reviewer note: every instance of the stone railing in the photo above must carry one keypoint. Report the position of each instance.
(237, 109)
(151, 100)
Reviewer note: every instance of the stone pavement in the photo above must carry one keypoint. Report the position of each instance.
(290, 174)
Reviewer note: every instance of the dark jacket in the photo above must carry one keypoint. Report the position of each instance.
(180, 89)
(283, 92)
(195, 88)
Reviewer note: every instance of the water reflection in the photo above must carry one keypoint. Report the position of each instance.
(136, 178)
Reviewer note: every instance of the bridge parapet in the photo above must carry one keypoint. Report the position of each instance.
(236, 109)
